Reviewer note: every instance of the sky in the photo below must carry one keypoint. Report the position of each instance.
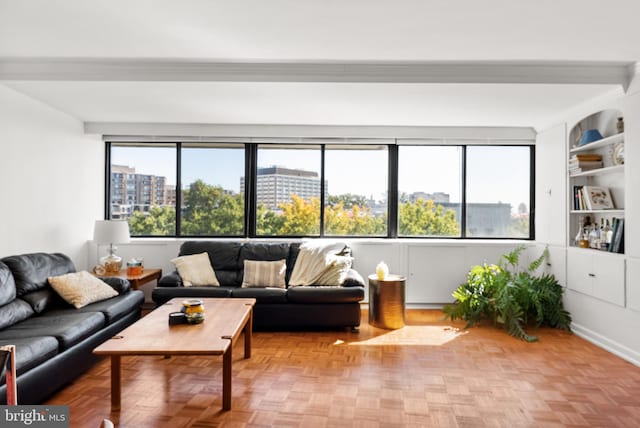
(362, 172)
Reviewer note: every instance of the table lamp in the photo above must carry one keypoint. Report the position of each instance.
(111, 232)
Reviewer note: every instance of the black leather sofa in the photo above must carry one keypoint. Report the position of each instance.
(291, 308)
(54, 340)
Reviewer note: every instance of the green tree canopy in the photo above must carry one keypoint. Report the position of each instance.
(426, 218)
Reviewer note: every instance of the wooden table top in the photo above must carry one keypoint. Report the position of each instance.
(152, 335)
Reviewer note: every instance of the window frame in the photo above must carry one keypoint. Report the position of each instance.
(250, 190)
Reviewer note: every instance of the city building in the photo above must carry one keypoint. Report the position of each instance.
(275, 185)
(132, 192)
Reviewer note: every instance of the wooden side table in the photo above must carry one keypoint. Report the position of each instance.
(137, 281)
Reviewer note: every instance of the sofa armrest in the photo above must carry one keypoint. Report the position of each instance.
(353, 279)
(121, 285)
(171, 280)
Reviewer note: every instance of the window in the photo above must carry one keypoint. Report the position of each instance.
(498, 191)
(286, 209)
(409, 189)
(429, 191)
(356, 206)
(212, 190)
(142, 188)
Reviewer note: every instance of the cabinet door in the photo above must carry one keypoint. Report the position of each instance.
(434, 273)
(608, 279)
(550, 193)
(579, 271)
(557, 264)
(633, 283)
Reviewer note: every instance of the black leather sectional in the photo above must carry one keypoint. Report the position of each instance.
(291, 308)
(54, 340)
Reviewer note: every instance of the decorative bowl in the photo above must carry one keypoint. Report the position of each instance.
(589, 136)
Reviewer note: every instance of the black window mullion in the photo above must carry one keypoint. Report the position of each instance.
(463, 207)
(107, 178)
(532, 189)
(392, 192)
(250, 186)
(178, 189)
(322, 190)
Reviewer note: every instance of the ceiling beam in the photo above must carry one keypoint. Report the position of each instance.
(497, 72)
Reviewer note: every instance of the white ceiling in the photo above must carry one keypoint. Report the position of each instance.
(106, 33)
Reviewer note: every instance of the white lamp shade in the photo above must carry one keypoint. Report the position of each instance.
(111, 232)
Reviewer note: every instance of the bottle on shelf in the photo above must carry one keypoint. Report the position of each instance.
(608, 234)
(594, 241)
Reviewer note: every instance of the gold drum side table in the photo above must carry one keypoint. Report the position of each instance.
(387, 301)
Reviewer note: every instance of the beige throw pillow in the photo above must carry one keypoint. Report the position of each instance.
(196, 271)
(81, 288)
(264, 274)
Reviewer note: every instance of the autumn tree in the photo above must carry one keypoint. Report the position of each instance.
(426, 218)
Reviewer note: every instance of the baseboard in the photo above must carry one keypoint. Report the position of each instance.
(607, 344)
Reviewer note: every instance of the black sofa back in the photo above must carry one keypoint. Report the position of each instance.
(227, 257)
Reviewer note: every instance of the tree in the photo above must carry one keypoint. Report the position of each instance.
(425, 218)
(348, 200)
(159, 221)
(358, 221)
(209, 210)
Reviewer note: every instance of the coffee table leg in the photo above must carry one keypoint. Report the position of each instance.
(115, 382)
(226, 379)
(248, 331)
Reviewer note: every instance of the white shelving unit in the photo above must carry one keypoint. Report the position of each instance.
(611, 175)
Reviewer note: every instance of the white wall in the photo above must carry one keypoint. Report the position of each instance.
(51, 180)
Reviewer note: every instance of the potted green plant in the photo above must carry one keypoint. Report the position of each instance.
(510, 296)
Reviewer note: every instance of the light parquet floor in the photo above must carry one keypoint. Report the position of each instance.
(432, 373)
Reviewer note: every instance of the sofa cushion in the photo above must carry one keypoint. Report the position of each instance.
(31, 351)
(262, 295)
(68, 327)
(44, 300)
(14, 312)
(81, 288)
(336, 271)
(224, 257)
(331, 294)
(121, 285)
(113, 309)
(30, 271)
(264, 273)
(7, 285)
(196, 270)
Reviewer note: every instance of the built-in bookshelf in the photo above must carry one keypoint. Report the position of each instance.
(596, 184)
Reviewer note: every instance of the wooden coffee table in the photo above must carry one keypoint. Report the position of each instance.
(225, 320)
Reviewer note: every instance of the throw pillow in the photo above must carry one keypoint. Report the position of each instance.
(313, 259)
(196, 271)
(264, 274)
(336, 272)
(81, 288)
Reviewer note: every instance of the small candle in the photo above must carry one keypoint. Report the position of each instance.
(382, 271)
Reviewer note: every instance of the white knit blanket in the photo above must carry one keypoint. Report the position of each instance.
(314, 258)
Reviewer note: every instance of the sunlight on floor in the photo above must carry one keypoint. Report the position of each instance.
(417, 335)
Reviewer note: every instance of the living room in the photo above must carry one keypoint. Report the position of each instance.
(74, 77)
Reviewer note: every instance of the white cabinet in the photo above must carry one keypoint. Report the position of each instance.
(550, 192)
(434, 273)
(597, 274)
(555, 265)
(633, 283)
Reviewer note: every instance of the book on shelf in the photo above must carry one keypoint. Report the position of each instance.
(586, 157)
(597, 198)
(617, 239)
(578, 200)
